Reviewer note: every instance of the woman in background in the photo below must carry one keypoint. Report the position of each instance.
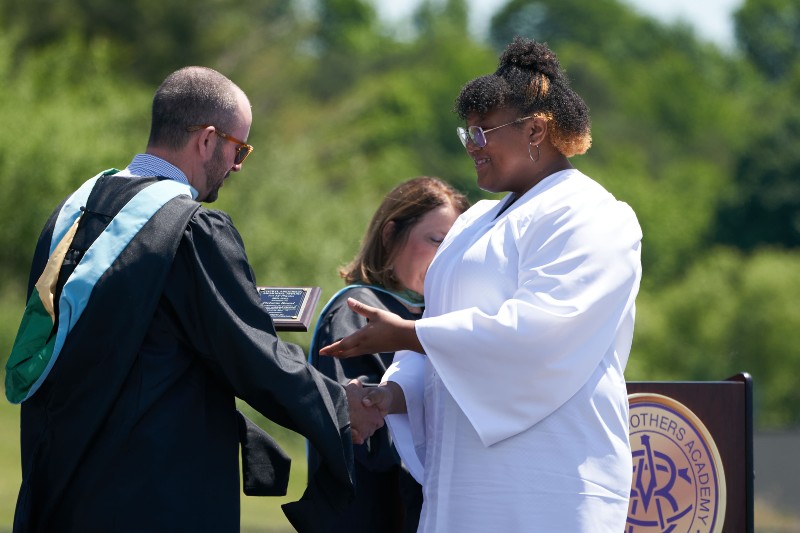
(387, 273)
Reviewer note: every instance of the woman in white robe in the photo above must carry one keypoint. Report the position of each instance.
(511, 406)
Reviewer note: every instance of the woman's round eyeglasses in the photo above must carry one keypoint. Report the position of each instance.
(477, 135)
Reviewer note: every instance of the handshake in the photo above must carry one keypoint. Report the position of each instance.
(367, 407)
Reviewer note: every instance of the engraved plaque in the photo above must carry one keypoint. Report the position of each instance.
(291, 308)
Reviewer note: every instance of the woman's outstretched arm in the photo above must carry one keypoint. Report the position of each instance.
(384, 332)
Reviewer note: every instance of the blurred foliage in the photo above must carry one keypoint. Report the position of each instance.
(763, 208)
(730, 312)
(768, 32)
(146, 38)
(67, 116)
(700, 141)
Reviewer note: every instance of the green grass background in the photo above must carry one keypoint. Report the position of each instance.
(10, 474)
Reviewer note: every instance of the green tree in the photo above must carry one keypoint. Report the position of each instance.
(439, 18)
(730, 313)
(768, 31)
(684, 331)
(59, 138)
(764, 206)
(663, 138)
(346, 43)
(559, 22)
(146, 38)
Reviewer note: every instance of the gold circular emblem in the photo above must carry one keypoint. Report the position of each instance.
(678, 480)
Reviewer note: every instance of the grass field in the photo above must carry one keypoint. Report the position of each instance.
(10, 473)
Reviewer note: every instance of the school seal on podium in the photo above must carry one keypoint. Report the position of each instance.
(678, 478)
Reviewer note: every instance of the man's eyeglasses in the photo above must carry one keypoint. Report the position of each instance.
(242, 151)
(477, 135)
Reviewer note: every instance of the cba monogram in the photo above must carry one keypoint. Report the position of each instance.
(678, 480)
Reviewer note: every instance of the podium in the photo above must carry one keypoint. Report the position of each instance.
(692, 446)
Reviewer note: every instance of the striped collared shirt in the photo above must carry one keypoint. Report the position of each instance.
(150, 165)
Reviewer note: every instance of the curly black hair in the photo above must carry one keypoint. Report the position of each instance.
(529, 78)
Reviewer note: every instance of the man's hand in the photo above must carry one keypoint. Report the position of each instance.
(384, 332)
(364, 419)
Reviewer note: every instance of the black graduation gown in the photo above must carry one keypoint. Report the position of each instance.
(136, 427)
(388, 499)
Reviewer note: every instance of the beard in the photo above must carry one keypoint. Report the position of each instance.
(216, 172)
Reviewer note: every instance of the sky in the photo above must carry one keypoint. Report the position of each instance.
(712, 19)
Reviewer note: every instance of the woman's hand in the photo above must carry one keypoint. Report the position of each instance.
(388, 398)
(384, 332)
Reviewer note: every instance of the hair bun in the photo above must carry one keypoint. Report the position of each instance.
(529, 55)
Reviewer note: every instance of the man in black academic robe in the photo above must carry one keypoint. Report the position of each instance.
(135, 428)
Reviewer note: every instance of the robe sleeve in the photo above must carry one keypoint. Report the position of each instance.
(510, 367)
(224, 321)
(408, 429)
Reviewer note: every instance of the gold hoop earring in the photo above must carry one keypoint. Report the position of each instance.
(538, 153)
